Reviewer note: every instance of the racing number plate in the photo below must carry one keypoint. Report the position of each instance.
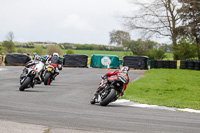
(49, 69)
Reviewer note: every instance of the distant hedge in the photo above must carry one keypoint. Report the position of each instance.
(72, 46)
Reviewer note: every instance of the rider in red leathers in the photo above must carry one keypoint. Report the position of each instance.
(120, 74)
(54, 59)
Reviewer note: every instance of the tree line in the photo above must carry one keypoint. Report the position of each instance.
(177, 19)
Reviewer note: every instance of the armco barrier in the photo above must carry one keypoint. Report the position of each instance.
(75, 60)
(136, 62)
(16, 59)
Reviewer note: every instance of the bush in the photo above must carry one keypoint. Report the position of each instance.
(156, 54)
(9, 46)
(69, 51)
(54, 49)
(21, 50)
(2, 50)
(186, 49)
(38, 49)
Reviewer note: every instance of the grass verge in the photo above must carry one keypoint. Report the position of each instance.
(167, 87)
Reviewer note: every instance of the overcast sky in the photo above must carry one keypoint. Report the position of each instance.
(73, 21)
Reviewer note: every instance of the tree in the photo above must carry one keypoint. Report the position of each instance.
(190, 14)
(140, 47)
(186, 48)
(119, 37)
(166, 47)
(156, 18)
(10, 36)
(9, 46)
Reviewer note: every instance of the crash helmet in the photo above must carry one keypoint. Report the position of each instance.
(125, 69)
(55, 54)
(34, 55)
(37, 58)
(46, 56)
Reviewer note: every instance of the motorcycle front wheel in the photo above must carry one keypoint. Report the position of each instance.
(47, 79)
(108, 98)
(25, 84)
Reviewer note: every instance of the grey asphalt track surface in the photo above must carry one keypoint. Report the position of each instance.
(65, 105)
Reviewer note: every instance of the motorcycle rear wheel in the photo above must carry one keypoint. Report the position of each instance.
(109, 98)
(25, 84)
(47, 79)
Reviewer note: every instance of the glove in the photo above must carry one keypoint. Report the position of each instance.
(103, 77)
(59, 67)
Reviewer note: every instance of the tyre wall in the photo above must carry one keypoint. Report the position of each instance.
(16, 59)
(163, 64)
(190, 64)
(136, 62)
(184, 64)
(75, 60)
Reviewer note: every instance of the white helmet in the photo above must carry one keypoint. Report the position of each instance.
(56, 54)
(125, 69)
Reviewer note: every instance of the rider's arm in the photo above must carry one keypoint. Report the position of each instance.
(59, 64)
(111, 73)
(48, 59)
(30, 63)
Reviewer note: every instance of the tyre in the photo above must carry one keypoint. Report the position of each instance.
(47, 79)
(92, 101)
(25, 84)
(153, 64)
(109, 98)
(190, 64)
(184, 64)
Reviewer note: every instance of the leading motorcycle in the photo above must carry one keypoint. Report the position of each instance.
(31, 75)
(109, 90)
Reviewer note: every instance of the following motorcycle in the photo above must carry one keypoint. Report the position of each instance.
(49, 72)
(31, 75)
(109, 90)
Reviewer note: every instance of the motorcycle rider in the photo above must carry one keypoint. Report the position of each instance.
(54, 58)
(121, 75)
(36, 60)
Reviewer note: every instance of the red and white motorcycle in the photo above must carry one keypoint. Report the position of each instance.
(31, 75)
(49, 72)
(109, 90)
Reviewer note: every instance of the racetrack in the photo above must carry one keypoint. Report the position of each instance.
(65, 104)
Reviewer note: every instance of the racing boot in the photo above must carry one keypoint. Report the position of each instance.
(38, 80)
(54, 76)
(93, 100)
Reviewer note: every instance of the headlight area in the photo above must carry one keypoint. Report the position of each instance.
(33, 72)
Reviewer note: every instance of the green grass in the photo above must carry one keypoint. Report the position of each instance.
(167, 87)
